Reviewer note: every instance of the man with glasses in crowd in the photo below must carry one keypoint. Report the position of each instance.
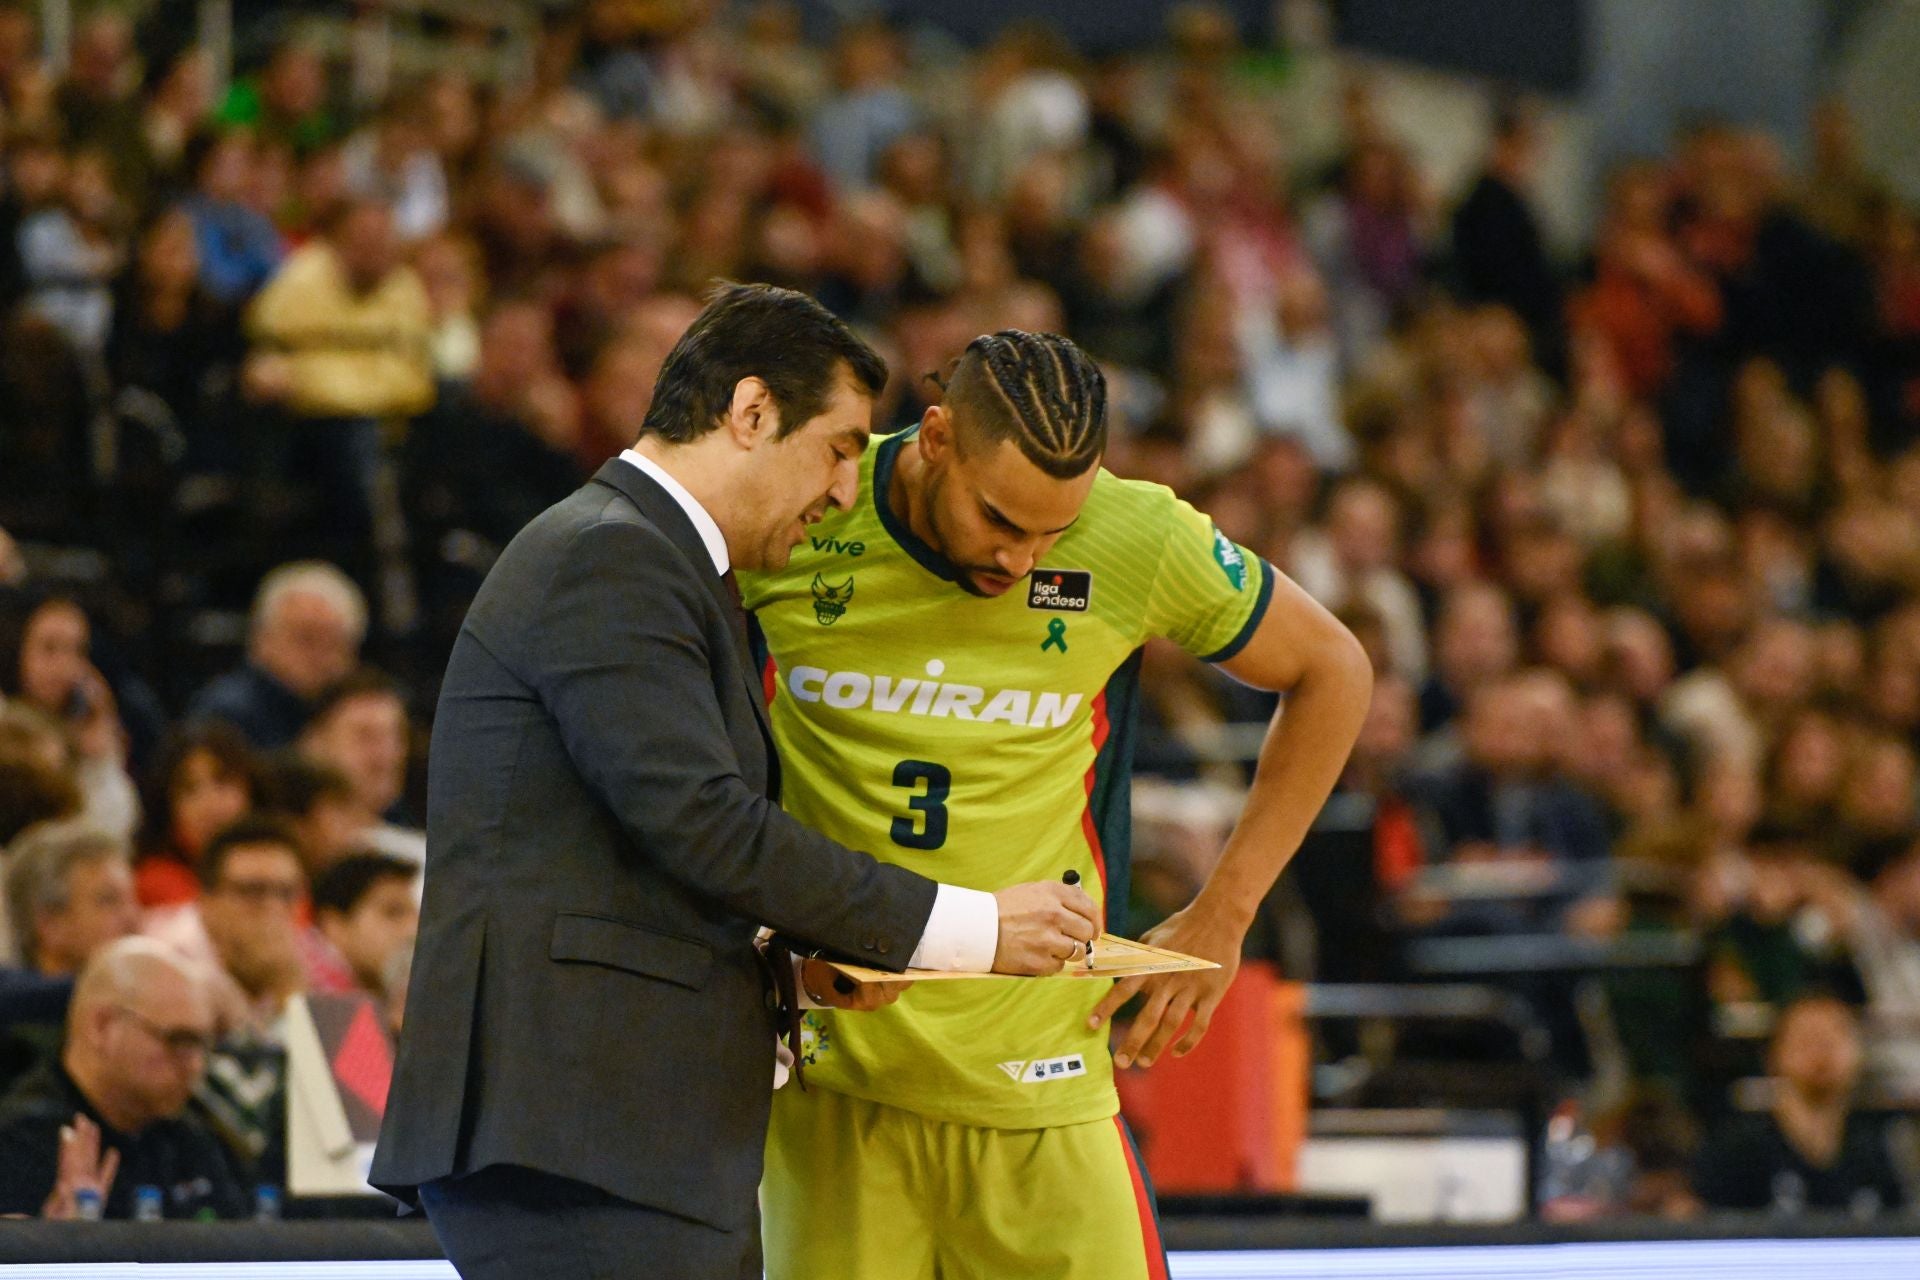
(246, 925)
(109, 1116)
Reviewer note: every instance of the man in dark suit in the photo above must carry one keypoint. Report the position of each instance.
(584, 1079)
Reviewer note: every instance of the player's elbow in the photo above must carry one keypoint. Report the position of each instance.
(1343, 663)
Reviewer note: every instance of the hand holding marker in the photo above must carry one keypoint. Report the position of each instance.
(1073, 877)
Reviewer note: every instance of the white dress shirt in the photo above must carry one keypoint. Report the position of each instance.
(963, 931)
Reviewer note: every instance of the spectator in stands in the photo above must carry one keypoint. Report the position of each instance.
(46, 667)
(366, 907)
(110, 1115)
(1366, 238)
(1878, 803)
(393, 161)
(69, 893)
(1475, 640)
(180, 104)
(36, 775)
(615, 395)
(246, 924)
(1355, 559)
(1730, 713)
(318, 805)
(287, 102)
(1499, 251)
(449, 269)
(1369, 814)
(207, 779)
(1509, 799)
(1644, 289)
(869, 110)
(174, 345)
(361, 730)
(239, 247)
(617, 278)
(35, 171)
(360, 727)
(24, 83)
(1760, 947)
(70, 252)
(1881, 926)
(99, 104)
(341, 346)
(1293, 372)
(502, 451)
(1809, 1151)
(305, 632)
(517, 223)
(1806, 767)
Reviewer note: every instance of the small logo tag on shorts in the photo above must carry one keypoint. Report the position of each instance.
(1041, 1070)
(1060, 590)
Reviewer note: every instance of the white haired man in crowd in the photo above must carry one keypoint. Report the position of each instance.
(308, 622)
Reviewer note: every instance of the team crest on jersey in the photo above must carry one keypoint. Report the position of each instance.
(1060, 590)
(830, 603)
(1231, 562)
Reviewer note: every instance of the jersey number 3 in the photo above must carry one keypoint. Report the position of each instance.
(930, 832)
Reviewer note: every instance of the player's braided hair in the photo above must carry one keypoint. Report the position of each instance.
(1039, 390)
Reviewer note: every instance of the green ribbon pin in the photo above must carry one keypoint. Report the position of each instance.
(1056, 635)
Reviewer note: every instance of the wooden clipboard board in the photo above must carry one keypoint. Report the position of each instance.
(1113, 957)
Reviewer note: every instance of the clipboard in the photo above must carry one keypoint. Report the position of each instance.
(1113, 957)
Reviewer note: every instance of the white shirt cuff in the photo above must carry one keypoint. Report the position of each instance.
(962, 933)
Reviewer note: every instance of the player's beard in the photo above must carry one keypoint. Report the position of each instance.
(942, 541)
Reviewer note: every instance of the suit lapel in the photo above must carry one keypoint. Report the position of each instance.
(658, 506)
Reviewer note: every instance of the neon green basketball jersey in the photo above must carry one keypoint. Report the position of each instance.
(983, 742)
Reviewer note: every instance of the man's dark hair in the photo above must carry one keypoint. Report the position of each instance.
(254, 829)
(784, 338)
(362, 682)
(1038, 390)
(1775, 836)
(342, 886)
(293, 784)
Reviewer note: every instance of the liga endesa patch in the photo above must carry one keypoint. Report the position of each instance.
(1060, 590)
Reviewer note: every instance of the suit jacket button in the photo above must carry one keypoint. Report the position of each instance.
(884, 946)
(872, 944)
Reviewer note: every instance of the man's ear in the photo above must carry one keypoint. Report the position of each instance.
(752, 417)
(97, 1019)
(936, 433)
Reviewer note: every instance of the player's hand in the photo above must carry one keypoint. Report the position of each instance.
(1173, 997)
(1043, 925)
(80, 1167)
(823, 984)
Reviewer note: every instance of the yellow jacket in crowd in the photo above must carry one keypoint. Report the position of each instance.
(345, 355)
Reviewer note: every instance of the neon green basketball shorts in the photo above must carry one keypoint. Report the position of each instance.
(855, 1190)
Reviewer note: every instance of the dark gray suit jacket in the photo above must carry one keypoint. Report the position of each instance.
(602, 841)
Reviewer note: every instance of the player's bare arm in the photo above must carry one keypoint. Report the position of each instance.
(1301, 650)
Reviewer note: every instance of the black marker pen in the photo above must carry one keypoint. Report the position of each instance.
(1073, 877)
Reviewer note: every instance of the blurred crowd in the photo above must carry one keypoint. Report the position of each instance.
(1633, 536)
